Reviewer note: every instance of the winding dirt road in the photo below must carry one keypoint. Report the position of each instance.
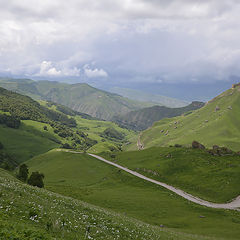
(234, 204)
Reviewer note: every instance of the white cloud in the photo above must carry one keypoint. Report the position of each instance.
(143, 37)
(47, 69)
(94, 73)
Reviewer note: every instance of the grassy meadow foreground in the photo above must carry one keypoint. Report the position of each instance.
(31, 213)
(83, 177)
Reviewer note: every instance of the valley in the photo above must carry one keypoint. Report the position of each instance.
(119, 120)
(217, 123)
(97, 184)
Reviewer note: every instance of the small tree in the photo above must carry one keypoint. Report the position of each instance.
(66, 145)
(1, 146)
(36, 179)
(45, 128)
(23, 172)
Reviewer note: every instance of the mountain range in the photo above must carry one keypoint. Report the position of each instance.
(80, 97)
(54, 140)
(143, 118)
(149, 97)
(215, 123)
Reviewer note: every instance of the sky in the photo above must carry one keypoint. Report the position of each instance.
(135, 41)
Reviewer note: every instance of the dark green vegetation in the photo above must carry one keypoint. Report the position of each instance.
(28, 128)
(6, 162)
(215, 123)
(143, 118)
(31, 213)
(25, 108)
(112, 133)
(23, 173)
(9, 121)
(197, 171)
(36, 179)
(83, 177)
(80, 97)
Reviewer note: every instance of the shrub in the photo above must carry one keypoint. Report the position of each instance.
(177, 145)
(10, 121)
(66, 145)
(23, 173)
(112, 133)
(36, 179)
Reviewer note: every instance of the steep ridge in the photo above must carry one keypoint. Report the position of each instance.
(143, 118)
(218, 122)
(80, 97)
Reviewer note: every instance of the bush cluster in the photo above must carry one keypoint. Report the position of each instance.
(112, 133)
(10, 121)
(35, 179)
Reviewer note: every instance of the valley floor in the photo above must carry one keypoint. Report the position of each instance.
(84, 177)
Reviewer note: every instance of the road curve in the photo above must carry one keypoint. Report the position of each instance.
(234, 204)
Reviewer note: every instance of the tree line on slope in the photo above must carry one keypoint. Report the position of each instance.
(22, 107)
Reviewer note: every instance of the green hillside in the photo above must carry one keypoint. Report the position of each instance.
(28, 128)
(143, 118)
(24, 143)
(213, 178)
(80, 97)
(85, 178)
(216, 123)
(31, 213)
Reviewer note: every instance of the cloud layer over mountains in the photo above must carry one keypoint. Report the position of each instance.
(138, 40)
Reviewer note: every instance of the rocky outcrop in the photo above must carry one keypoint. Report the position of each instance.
(235, 85)
(197, 145)
(217, 108)
(220, 151)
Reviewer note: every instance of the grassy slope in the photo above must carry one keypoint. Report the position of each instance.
(32, 214)
(31, 140)
(204, 125)
(80, 97)
(88, 179)
(143, 118)
(94, 128)
(192, 170)
(86, 99)
(27, 141)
